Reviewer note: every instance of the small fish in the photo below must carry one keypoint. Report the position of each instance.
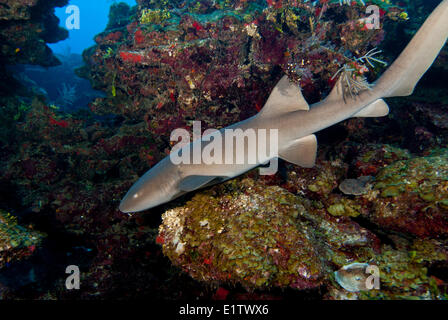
(404, 16)
(352, 277)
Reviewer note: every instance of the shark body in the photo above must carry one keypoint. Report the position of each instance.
(287, 111)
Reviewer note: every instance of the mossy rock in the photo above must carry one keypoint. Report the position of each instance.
(16, 241)
(412, 195)
(248, 234)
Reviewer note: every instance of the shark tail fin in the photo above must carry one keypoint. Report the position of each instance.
(378, 108)
(403, 75)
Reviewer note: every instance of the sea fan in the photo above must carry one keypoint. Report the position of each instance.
(67, 95)
(352, 79)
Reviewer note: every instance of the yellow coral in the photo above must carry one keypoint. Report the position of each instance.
(154, 16)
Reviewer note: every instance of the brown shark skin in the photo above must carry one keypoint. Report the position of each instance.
(161, 183)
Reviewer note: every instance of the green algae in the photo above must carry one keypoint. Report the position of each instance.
(411, 195)
(248, 236)
(154, 16)
(345, 207)
(391, 191)
(16, 241)
(424, 176)
(404, 274)
(387, 152)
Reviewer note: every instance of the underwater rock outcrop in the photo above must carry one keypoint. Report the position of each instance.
(26, 28)
(404, 273)
(16, 241)
(248, 236)
(411, 196)
(246, 233)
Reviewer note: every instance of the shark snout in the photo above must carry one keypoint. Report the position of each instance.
(155, 187)
(139, 198)
(129, 203)
(125, 206)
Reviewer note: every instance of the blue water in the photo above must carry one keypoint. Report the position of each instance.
(93, 20)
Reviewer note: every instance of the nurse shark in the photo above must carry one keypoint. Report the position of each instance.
(296, 122)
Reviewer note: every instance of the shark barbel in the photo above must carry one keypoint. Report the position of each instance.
(287, 111)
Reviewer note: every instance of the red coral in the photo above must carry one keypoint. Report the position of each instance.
(197, 26)
(139, 37)
(61, 123)
(160, 240)
(131, 57)
(221, 294)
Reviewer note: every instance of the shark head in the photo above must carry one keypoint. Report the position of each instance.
(155, 187)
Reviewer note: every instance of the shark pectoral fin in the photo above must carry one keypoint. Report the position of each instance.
(302, 152)
(285, 97)
(378, 108)
(194, 182)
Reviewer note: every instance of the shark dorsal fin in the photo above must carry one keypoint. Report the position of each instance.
(285, 97)
(378, 108)
(337, 93)
(301, 152)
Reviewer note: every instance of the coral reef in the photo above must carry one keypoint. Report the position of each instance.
(200, 237)
(162, 64)
(26, 26)
(25, 29)
(16, 242)
(245, 233)
(404, 273)
(412, 196)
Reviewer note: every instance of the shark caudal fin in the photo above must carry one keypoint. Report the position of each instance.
(403, 75)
